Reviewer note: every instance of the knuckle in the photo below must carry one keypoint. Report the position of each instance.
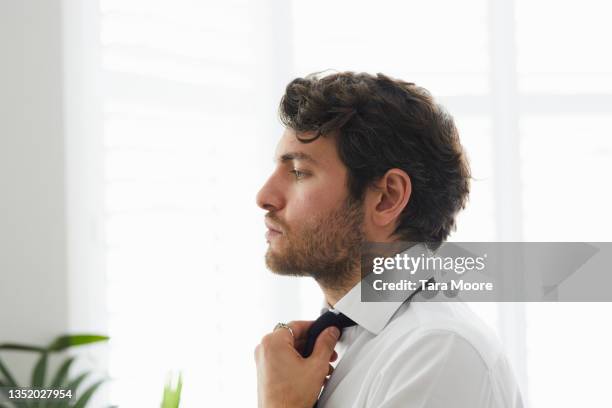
(330, 341)
(323, 367)
(266, 341)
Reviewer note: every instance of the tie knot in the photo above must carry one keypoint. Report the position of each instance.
(324, 321)
(330, 318)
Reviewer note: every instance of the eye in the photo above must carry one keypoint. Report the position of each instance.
(298, 174)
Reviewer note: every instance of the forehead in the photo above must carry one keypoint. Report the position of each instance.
(322, 150)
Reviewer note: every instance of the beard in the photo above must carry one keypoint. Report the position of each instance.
(327, 247)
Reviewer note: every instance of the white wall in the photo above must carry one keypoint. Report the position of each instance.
(51, 271)
(33, 252)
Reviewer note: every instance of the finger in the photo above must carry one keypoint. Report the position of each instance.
(300, 328)
(299, 345)
(330, 370)
(297, 332)
(324, 346)
(333, 357)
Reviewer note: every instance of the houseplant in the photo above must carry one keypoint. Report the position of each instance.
(60, 380)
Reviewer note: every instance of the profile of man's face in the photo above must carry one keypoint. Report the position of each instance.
(314, 227)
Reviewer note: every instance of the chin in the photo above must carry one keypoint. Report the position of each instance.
(276, 262)
(277, 246)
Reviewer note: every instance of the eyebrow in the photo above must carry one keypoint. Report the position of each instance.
(296, 156)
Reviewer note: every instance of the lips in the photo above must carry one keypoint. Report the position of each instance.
(271, 235)
(272, 227)
(273, 231)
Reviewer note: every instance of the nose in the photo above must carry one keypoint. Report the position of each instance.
(270, 197)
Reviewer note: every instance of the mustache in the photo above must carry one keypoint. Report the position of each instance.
(277, 221)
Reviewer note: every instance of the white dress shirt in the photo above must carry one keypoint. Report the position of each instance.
(417, 354)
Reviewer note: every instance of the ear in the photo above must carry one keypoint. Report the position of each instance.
(389, 198)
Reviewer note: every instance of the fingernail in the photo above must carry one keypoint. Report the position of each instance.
(334, 332)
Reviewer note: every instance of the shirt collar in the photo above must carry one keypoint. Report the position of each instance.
(372, 316)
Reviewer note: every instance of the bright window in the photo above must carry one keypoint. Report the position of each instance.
(190, 96)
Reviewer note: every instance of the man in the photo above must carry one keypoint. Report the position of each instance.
(369, 159)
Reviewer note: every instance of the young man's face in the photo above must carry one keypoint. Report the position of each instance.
(314, 227)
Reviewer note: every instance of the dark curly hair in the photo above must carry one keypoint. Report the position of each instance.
(382, 123)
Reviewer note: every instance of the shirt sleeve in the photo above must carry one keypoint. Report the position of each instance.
(440, 369)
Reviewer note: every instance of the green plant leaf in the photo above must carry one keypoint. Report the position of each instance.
(38, 375)
(8, 377)
(9, 381)
(13, 404)
(172, 396)
(62, 373)
(64, 342)
(3, 392)
(84, 398)
(58, 381)
(21, 347)
(74, 384)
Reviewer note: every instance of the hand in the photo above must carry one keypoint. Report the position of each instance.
(284, 378)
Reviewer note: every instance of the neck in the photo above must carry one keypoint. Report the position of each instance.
(334, 293)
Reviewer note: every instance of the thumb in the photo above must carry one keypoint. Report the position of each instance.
(324, 346)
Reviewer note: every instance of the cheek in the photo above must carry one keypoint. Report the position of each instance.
(311, 204)
(299, 210)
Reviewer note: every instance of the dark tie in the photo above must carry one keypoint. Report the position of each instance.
(339, 320)
(324, 321)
